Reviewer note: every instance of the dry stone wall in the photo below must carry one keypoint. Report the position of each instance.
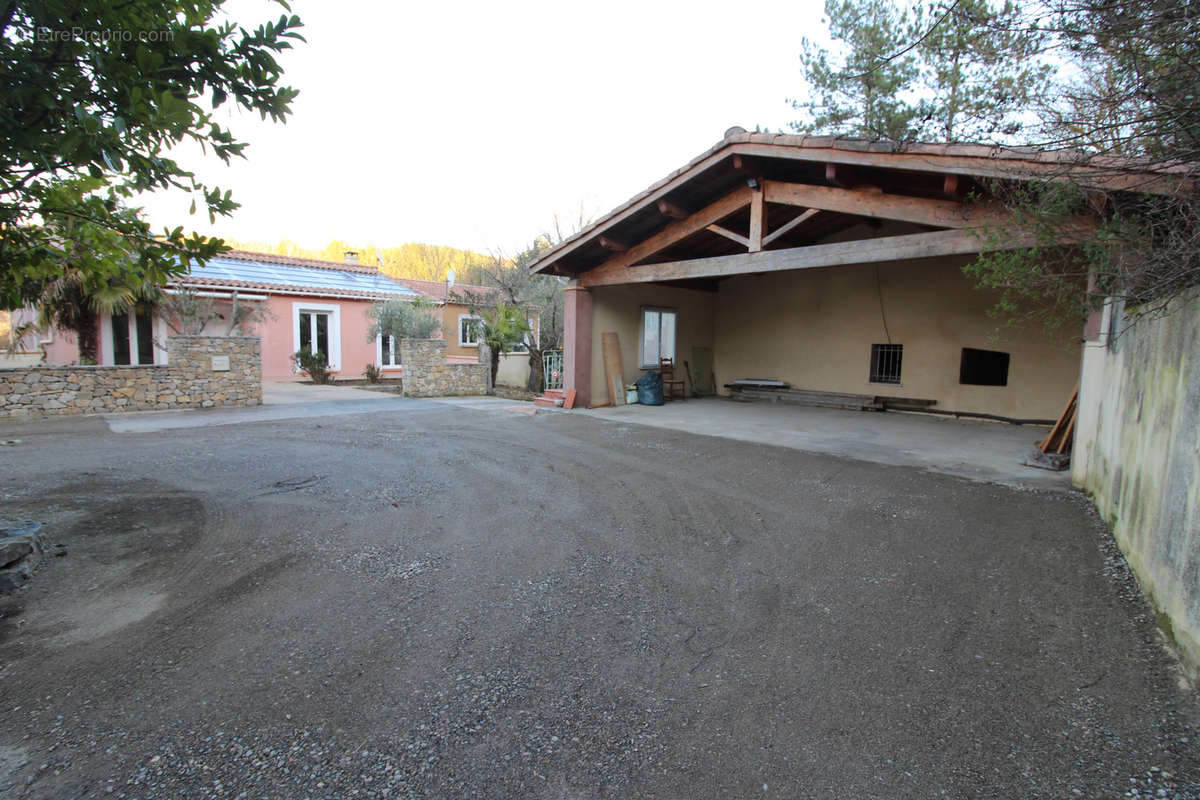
(195, 377)
(426, 373)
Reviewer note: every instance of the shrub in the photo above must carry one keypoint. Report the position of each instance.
(372, 373)
(314, 365)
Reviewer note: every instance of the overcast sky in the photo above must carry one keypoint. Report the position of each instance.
(472, 124)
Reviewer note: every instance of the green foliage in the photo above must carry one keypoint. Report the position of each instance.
(503, 327)
(94, 100)
(187, 313)
(860, 91)
(314, 364)
(372, 373)
(404, 319)
(922, 71)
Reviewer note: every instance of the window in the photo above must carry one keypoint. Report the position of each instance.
(885, 363)
(658, 336)
(128, 339)
(317, 327)
(983, 367)
(389, 351)
(469, 328)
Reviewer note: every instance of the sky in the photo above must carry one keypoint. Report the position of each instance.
(473, 124)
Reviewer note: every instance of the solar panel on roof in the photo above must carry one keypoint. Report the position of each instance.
(289, 275)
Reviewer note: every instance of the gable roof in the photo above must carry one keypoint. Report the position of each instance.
(240, 269)
(913, 169)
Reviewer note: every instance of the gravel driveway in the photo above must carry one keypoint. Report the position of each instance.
(433, 601)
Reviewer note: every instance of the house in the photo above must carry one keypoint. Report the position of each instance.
(831, 265)
(308, 304)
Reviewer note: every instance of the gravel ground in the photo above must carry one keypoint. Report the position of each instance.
(441, 602)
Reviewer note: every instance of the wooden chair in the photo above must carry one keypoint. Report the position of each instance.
(673, 387)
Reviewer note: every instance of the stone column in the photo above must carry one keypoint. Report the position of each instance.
(577, 343)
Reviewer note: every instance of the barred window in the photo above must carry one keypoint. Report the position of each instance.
(885, 362)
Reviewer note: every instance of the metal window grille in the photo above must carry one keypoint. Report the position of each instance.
(885, 362)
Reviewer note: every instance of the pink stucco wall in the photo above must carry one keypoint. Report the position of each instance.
(279, 338)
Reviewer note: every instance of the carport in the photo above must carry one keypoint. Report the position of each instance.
(832, 265)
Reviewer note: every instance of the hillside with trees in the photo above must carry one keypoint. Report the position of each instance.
(430, 262)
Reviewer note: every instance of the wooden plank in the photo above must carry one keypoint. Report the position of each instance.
(954, 186)
(728, 234)
(672, 210)
(610, 347)
(758, 221)
(862, 251)
(570, 402)
(790, 225)
(878, 205)
(608, 243)
(681, 229)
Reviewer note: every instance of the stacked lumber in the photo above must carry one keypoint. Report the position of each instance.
(804, 397)
(1063, 433)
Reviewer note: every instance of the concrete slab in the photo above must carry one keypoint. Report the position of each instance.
(982, 451)
(286, 392)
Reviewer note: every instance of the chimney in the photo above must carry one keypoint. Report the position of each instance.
(350, 256)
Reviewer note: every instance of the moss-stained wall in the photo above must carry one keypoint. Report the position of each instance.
(814, 329)
(1137, 452)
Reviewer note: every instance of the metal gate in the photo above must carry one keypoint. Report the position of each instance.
(552, 369)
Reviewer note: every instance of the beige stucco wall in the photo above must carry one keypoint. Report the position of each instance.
(1137, 453)
(513, 370)
(814, 329)
(619, 309)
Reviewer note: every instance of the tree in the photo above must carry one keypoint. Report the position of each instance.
(404, 319)
(501, 328)
(539, 294)
(96, 95)
(861, 90)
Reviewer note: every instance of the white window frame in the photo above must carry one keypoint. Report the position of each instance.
(642, 336)
(394, 352)
(461, 317)
(335, 330)
(158, 328)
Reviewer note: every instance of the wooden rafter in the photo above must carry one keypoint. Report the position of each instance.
(672, 210)
(880, 205)
(681, 229)
(728, 234)
(861, 251)
(790, 225)
(608, 243)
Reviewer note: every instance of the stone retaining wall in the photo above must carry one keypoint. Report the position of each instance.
(426, 373)
(189, 380)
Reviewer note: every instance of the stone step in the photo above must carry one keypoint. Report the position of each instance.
(548, 402)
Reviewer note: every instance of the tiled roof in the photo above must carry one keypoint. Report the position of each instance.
(295, 261)
(437, 290)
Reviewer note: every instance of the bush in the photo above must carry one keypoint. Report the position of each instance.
(314, 365)
(372, 373)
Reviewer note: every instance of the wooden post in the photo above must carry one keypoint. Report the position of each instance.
(758, 220)
(577, 342)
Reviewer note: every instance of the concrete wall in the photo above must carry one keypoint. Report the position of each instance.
(619, 309)
(1137, 452)
(814, 329)
(189, 381)
(427, 373)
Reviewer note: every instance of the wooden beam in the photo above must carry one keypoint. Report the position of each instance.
(869, 203)
(954, 186)
(681, 229)
(608, 243)
(728, 234)
(839, 175)
(669, 209)
(862, 251)
(790, 225)
(758, 222)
